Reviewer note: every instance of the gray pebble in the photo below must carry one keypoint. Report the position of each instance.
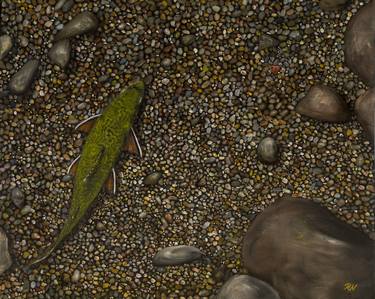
(268, 150)
(152, 179)
(5, 259)
(17, 197)
(176, 255)
(60, 53)
(21, 81)
(187, 39)
(246, 287)
(267, 41)
(76, 275)
(26, 210)
(5, 45)
(60, 4)
(82, 23)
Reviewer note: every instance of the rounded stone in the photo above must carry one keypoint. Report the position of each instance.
(60, 53)
(268, 150)
(246, 287)
(5, 258)
(296, 239)
(21, 81)
(176, 255)
(5, 45)
(17, 197)
(323, 103)
(365, 111)
(82, 23)
(152, 179)
(332, 4)
(360, 44)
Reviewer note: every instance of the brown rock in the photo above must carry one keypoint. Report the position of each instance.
(360, 44)
(323, 103)
(304, 251)
(365, 111)
(332, 4)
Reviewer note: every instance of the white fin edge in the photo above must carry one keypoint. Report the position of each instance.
(86, 120)
(71, 164)
(114, 180)
(137, 142)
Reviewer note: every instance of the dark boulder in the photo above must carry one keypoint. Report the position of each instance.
(304, 251)
(365, 111)
(359, 44)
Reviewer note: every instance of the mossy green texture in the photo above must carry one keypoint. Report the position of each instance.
(100, 152)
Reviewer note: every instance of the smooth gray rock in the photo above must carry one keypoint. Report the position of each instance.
(82, 23)
(323, 103)
(359, 44)
(17, 197)
(304, 251)
(268, 150)
(332, 4)
(365, 111)
(21, 81)
(5, 258)
(246, 287)
(177, 255)
(60, 53)
(6, 45)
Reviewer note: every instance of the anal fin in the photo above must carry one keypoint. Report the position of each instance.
(72, 169)
(132, 145)
(110, 183)
(86, 125)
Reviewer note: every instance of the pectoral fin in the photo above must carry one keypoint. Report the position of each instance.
(132, 145)
(110, 184)
(72, 169)
(86, 125)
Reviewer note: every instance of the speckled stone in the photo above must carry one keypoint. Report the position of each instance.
(21, 81)
(360, 44)
(5, 259)
(323, 103)
(268, 151)
(296, 239)
(60, 53)
(5, 45)
(82, 23)
(176, 255)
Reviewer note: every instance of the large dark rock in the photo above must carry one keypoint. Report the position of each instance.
(323, 103)
(332, 4)
(246, 287)
(304, 251)
(365, 111)
(360, 44)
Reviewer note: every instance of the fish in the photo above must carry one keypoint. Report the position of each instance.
(108, 134)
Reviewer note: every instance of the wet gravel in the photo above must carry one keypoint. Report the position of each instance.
(212, 96)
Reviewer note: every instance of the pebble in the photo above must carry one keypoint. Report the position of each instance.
(84, 22)
(246, 287)
(332, 4)
(60, 4)
(268, 150)
(6, 45)
(267, 41)
(297, 237)
(360, 44)
(365, 111)
(17, 197)
(176, 255)
(76, 275)
(188, 39)
(152, 179)
(60, 53)
(5, 258)
(21, 81)
(323, 103)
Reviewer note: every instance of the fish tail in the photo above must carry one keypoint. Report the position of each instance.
(66, 230)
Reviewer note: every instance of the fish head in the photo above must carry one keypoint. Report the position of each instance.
(137, 89)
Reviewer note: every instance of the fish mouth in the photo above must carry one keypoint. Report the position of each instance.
(139, 86)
